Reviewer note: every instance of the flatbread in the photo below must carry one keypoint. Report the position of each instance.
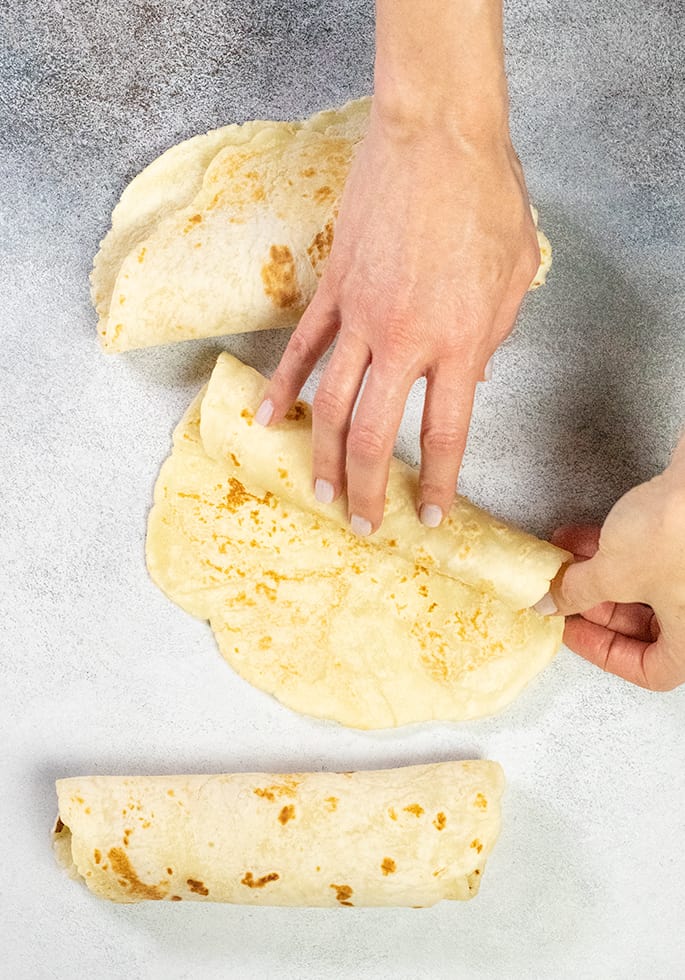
(229, 232)
(372, 633)
(394, 837)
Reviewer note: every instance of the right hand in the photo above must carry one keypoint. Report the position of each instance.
(625, 592)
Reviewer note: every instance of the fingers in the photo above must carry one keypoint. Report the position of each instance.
(333, 406)
(650, 665)
(370, 444)
(632, 619)
(582, 540)
(311, 339)
(444, 430)
(581, 586)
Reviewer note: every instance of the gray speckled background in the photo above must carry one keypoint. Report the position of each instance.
(100, 673)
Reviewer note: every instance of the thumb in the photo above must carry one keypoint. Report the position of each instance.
(578, 587)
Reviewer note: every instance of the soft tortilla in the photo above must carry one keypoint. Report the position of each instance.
(229, 232)
(410, 836)
(371, 633)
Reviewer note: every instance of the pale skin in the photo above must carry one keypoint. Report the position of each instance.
(434, 250)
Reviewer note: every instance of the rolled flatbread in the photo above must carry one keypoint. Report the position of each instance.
(406, 626)
(409, 836)
(229, 231)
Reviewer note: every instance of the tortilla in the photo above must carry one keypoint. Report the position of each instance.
(229, 231)
(409, 625)
(395, 837)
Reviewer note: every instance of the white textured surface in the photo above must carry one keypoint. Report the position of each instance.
(101, 674)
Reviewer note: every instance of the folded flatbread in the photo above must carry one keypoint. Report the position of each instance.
(410, 836)
(229, 231)
(409, 625)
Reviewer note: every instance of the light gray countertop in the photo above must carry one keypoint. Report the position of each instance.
(100, 673)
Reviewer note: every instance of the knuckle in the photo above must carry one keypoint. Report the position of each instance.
(329, 407)
(439, 441)
(300, 348)
(366, 443)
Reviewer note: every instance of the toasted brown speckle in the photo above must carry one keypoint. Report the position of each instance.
(343, 893)
(251, 882)
(415, 809)
(198, 887)
(388, 866)
(122, 867)
(97, 856)
(481, 801)
(286, 814)
(279, 276)
(440, 821)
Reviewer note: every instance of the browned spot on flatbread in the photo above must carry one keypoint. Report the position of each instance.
(252, 882)
(286, 814)
(122, 867)
(192, 223)
(476, 845)
(234, 459)
(169, 871)
(286, 788)
(388, 866)
(343, 893)
(481, 801)
(198, 887)
(415, 809)
(97, 856)
(298, 412)
(279, 276)
(176, 898)
(440, 821)
(247, 415)
(141, 254)
(59, 826)
(392, 814)
(322, 194)
(320, 246)
(308, 172)
(332, 803)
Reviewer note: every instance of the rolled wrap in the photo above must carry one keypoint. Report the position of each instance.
(396, 837)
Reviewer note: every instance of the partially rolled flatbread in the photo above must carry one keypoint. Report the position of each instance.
(409, 836)
(229, 232)
(409, 625)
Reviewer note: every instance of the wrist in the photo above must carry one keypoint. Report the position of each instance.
(441, 65)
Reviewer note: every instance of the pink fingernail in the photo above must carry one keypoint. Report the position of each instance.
(430, 515)
(487, 371)
(324, 491)
(546, 606)
(360, 525)
(265, 412)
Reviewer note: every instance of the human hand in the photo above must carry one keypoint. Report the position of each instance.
(434, 249)
(628, 584)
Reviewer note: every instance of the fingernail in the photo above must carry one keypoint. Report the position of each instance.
(546, 606)
(323, 491)
(360, 525)
(265, 412)
(487, 370)
(430, 515)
